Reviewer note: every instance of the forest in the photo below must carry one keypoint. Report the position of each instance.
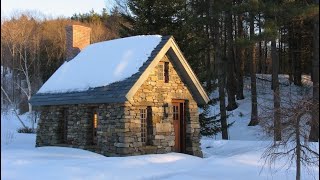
(223, 41)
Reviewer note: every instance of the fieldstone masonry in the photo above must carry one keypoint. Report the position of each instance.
(119, 124)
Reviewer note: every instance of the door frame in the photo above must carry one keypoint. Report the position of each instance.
(182, 124)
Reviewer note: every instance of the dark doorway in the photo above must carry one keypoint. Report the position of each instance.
(65, 125)
(179, 125)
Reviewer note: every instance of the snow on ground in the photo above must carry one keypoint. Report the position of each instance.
(101, 64)
(224, 160)
(238, 158)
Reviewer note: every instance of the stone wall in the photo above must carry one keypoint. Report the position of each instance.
(119, 125)
(110, 130)
(49, 126)
(156, 94)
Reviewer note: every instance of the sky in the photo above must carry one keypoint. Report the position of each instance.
(54, 8)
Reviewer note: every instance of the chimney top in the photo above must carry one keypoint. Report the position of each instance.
(77, 38)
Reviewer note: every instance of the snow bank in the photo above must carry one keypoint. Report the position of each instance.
(102, 63)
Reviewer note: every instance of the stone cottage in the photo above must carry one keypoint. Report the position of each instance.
(127, 96)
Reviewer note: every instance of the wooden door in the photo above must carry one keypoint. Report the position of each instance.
(179, 125)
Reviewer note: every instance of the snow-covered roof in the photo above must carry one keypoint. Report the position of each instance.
(101, 64)
(113, 71)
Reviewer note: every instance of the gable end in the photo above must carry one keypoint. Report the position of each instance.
(183, 67)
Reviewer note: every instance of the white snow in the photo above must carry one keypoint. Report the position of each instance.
(102, 63)
(238, 158)
(224, 160)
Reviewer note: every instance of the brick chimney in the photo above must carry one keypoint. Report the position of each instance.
(77, 38)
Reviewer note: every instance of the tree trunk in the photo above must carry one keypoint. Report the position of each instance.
(265, 67)
(223, 111)
(231, 81)
(254, 107)
(221, 80)
(290, 37)
(276, 92)
(13, 75)
(240, 58)
(260, 70)
(298, 147)
(280, 60)
(297, 57)
(314, 133)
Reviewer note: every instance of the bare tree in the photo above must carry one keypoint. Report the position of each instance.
(294, 145)
(22, 38)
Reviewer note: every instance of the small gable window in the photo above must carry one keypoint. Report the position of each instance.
(163, 71)
(160, 71)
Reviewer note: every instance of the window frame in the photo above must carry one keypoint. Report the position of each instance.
(160, 74)
(95, 123)
(144, 125)
(163, 72)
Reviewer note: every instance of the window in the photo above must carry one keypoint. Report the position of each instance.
(143, 118)
(166, 72)
(146, 125)
(175, 113)
(94, 126)
(160, 71)
(95, 120)
(149, 126)
(163, 71)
